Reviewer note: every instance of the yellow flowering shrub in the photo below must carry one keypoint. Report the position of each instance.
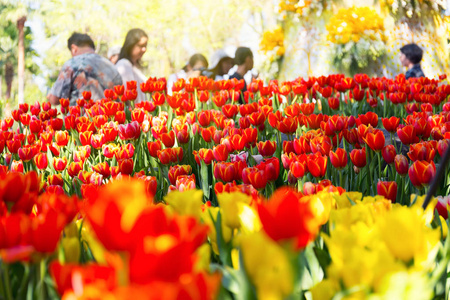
(358, 37)
(304, 7)
(354, 23)
(273, 40)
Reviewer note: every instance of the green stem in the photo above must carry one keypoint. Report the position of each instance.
(42, 272)
(7, 283)
(379, 164)
(369, 177)
(340, 177)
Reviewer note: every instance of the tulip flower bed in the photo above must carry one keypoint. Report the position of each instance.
(196, 196)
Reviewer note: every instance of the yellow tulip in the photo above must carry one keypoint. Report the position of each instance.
(267, 266)
(204, 258)
(71, 246)
(406, 236)
(325, 290)
(186, 203)
(230, 203)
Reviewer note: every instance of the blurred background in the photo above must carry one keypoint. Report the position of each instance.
(289, 38)
(176, 29)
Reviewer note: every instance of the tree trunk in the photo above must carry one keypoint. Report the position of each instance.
(1, 87)
(9, 75)
(21, 59)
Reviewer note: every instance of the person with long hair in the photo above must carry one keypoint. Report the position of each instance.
(129, 64)
(194, 68)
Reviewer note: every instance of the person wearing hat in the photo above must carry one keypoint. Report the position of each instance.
(113, 54)
(221, 64)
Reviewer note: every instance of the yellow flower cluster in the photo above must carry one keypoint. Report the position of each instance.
(379, 249)
(355, 23)
(295, 6)
(273, 41)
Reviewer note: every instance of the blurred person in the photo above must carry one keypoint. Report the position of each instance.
(129, 64)
(85, 71)
(113, 54)
(244, 61)
(221, 64)
(196, 66)
(410, 57)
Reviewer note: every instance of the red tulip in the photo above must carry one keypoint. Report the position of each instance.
(154, 147)
(59, 163)
(267, 148)
(388, 189)
(237, 142)
(421, 151)
(41, 161)
(205, 155)
(126, 166)
(220, 152)
(130, 131)
(85, 138)
(321, 144)
(407, 134)
(257, 178)
(102, 168)
(333, 103)
(375, 140)
(390, 124)
(298, 169)
(288, 125)
(27, 152)
(358, 157)
(421, 173)
(74, 168)
(339, 158)
(165, 156)
(204, 118)
(317, 165)
(401, 164)
(168, 139)
(442, 206)
(271, 167)
(178, 170)
(388, 153)
(287, 217)
(441, 147)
